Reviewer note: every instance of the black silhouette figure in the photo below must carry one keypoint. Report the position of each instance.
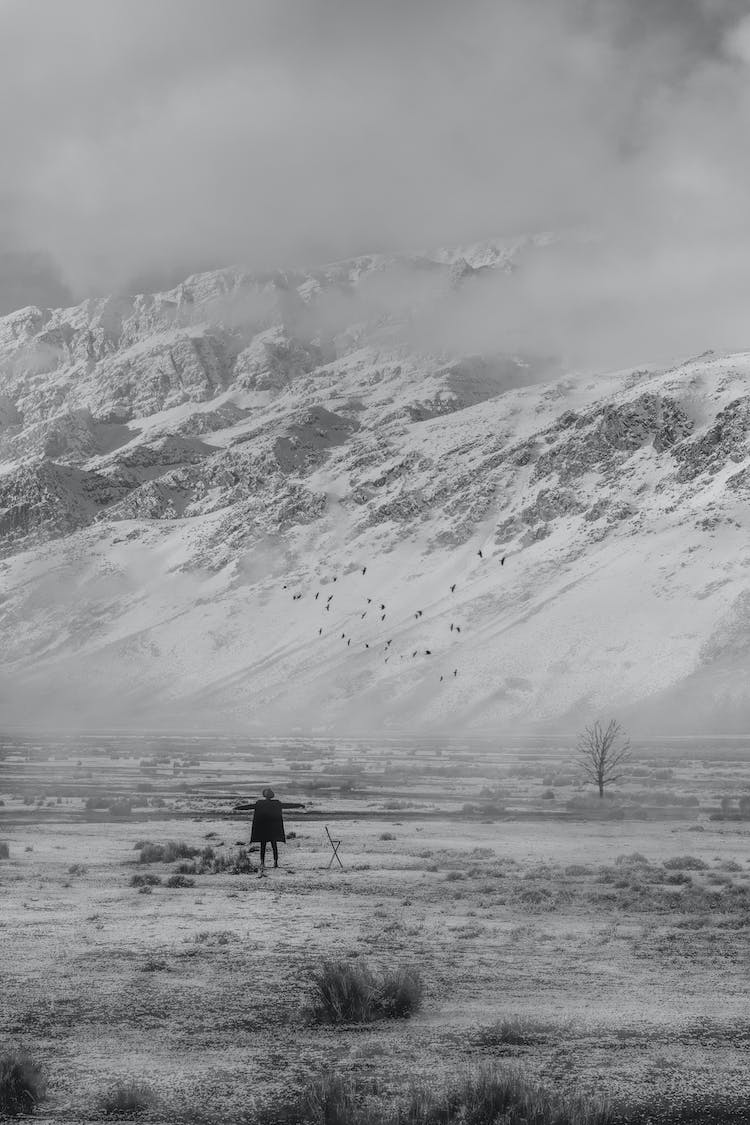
(455, 671)
(451, 626)
(388, 642)
(479, 552)
(502, 560)
(364, 570)
(330, 596)
(363, 615)
(418, 613)
(369, 600)
(268, 824)
(348, 642)
(320, 630)
(382, 607)
(334, 580)
(453, 587)
(342, 636)
(428, 652)
(383, 618)
(441, 679)
(328, 607)
(317, 595)
(366, 645)
(458, 628)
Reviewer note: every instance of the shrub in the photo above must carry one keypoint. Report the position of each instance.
(127, 1099)
(166, 853)
(386, 836)
(4, 850)
(22, 1083)
(77, 869)
(180, 881)
(632, 859)
(548, 795)
(577, 869)
(145, 880)
(345, 992)
(492, 1095)
(513, 1031)
(186, 869)
(685, 863)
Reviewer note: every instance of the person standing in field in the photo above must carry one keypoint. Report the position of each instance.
(268, 824)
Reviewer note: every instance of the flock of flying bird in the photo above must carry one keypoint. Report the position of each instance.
(379, 608)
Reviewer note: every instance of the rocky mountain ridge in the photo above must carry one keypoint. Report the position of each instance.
(175, 468)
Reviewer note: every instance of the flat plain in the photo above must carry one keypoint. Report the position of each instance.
(601, 946)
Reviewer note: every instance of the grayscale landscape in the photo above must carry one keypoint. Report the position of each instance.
(375, 440)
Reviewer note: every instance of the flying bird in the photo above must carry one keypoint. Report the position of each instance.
(418, 613)
(364, 570)
(441, 679)
(328, 607)
(369, 600)
(342, 636)
(383, 617)
(329, 597)
(455, 671)
(453, 587)
(348, 642)
(502, 560)
(317, 595)
(428, 652)
(414, 653)
(382, 607)
(451, 626)
(458, 628)
(388, 642)
(364, 615)
(366, 645)
(479, 552)
(334, 580)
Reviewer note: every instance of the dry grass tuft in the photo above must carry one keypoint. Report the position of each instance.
(22, 1083)
(348, 992)
(127, 1099)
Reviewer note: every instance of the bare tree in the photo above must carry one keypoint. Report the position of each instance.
(604, 753)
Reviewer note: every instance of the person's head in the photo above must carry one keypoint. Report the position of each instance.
(268, 793)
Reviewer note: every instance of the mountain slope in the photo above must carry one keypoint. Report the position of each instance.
(182, 473)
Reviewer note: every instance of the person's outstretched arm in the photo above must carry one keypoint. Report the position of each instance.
(244, 808)
(291, 805)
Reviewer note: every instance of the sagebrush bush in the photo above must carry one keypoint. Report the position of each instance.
(685, 863)
(514, 1031)
(4, 850)
(166, 853)
(22, 1083)
(127, 1099)
(147, 880)
(349, 992)
(180, 881)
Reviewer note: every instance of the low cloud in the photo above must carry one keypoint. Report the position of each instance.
(201, 135)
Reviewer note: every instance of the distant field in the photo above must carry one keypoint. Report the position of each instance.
(605, 952)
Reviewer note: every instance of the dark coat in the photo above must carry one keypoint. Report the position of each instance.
(268, 820)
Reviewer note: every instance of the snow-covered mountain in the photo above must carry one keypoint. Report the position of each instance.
(266, 501)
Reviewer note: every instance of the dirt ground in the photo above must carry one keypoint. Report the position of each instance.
(626, 977)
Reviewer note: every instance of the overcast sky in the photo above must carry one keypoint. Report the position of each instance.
(145, 139)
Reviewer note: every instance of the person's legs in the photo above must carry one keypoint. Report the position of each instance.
(263, 853)
(275, 853)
